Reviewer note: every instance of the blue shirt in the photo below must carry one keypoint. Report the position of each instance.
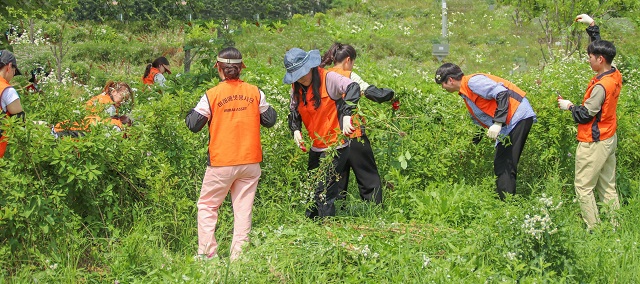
(489, 89)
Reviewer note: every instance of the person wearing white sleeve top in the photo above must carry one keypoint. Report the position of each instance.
(361, 159)
(234, 111)
(9, 99)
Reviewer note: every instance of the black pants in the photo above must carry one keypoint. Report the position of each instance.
(505, 163)
(363, 164)
(327, 190)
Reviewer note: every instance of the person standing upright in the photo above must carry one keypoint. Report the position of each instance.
(234, 111)
(9, 99)
(595, 167)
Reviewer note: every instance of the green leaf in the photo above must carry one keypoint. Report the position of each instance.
(403, 164)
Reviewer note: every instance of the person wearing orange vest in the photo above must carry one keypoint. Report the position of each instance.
(109, 101)
(595, 167)
(154, 73)
(234, 111)
(323, 101)
(9, 99)
(361, 159)
(502, 108)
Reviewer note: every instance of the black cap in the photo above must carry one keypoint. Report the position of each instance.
(7, 57)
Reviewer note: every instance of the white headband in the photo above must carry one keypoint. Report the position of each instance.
(231, 61)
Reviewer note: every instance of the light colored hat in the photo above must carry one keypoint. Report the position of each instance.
(298, 63)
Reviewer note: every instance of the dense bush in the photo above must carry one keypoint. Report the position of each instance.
(97, 10)
(104, 208)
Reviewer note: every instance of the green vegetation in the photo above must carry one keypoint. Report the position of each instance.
(108, 209)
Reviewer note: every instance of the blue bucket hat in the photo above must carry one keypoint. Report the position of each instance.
(298, 63)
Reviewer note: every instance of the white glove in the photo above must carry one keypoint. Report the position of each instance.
(564, 104)
(584, 18)
(297, 136)
(347, 127)
(494, 130)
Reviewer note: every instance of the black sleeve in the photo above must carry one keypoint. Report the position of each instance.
(580, 114)
(378, 95)
(594, 32)
(503, 107)
(295, 121)
(195, 121)
(351, 98)
(20, 115)
(268, 118)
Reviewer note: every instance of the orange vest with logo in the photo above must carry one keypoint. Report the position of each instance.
(358, 121)
(234, 127)
(489, 106)
(322, 123)
(152, 74)
(3, 139)
(604, 124)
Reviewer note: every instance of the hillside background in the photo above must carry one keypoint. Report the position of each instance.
(108, 209)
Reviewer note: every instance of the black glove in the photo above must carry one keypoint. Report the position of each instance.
(477, 137)
(378, 95)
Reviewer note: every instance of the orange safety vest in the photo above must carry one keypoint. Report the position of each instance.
(152, 74)
(322, 123)
(234, 127)
(489, 106)
(85, 124)
(93, 105)
(358, 121)
(3, 139)
(604, 124)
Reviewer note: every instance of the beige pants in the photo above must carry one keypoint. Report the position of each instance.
(596, 170)
(242, 181)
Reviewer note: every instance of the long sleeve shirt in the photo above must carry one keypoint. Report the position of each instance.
(336, 85)
(198, 117)
(490, 89)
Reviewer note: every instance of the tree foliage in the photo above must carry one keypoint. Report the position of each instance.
(556, 18)
(15, 12)
(134, 10)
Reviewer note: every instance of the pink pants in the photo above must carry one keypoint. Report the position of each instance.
(242, 181)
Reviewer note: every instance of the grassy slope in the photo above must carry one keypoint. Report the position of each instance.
(439, 223)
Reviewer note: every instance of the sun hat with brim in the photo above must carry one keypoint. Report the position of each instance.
(298, 63)
(7, 57)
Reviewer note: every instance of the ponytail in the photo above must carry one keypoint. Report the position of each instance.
(147, 71)
(329, 57)
(337, 53)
